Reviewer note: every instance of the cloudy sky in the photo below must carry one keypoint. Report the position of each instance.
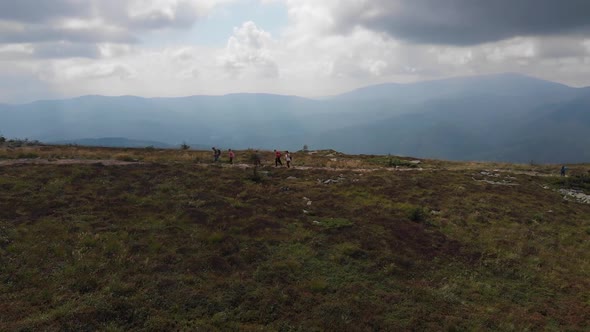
(66, 48)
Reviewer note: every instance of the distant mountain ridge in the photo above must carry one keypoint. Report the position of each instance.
(504, 117)
(114, 142)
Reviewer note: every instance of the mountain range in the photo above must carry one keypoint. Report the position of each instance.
(503, 117)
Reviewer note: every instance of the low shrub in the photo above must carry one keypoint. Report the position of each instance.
(417, 214)
(28, 155)
(124, 157)
(332, 223)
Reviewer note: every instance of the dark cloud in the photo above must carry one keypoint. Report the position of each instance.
(51, 50)
(179, 14)
(112, 21)
(35, 11)
(38, 33)
(468, 22)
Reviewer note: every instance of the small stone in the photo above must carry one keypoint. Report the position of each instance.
(291, 178)
(306, 199)
(328, 181)
(316, 222)
(305, 211)
(308, 203)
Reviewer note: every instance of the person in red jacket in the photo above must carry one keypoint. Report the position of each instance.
(231, 155)
(278, 158)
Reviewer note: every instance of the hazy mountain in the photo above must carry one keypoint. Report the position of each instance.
(114, 142)
(500, 117)
(505, 85)
(506, 117)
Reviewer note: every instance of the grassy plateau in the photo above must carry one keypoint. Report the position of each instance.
(166, 240)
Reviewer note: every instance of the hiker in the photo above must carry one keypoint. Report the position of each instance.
(288, 159)
(563, 169)
(278, 158)
(231, 155)
(215, 155)
(256, 158)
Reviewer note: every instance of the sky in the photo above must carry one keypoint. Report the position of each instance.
(163, 48)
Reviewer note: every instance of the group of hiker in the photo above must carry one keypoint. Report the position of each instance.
(288, 158)
(278, 156)
(217, 154)
(255, 158)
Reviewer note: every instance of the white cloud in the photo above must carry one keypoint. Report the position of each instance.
(108, 48)
(15, 51)
(561, 47)
(333, 31)
(249, 53)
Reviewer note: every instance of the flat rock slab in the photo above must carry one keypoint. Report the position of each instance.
(575, 195)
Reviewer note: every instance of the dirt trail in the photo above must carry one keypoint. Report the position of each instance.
(114, 162)
(390, 169)
(105, 162)
(337, 169)
(529, 173)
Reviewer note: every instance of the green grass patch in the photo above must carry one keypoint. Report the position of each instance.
(391, 161)
(335, 223)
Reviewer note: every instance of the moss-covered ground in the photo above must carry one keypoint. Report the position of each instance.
(175, 242)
